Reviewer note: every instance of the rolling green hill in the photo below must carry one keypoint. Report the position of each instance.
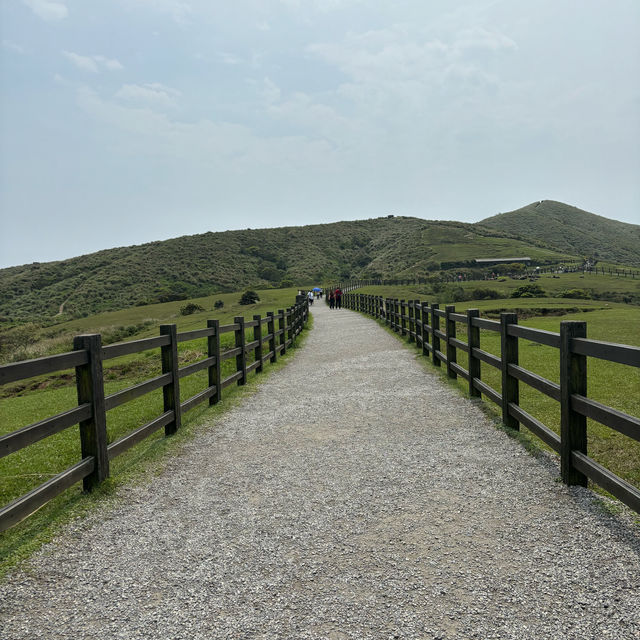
(201, 265)
(571, 230)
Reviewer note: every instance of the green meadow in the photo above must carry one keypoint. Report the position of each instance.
(26, 402)
(612, 384)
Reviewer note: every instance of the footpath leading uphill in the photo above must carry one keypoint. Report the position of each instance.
(353, 496)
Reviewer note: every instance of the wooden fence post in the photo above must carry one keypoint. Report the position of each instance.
(241, 358)
(171, 391)
(573, 380)
(424, 305)
(213, 350)
(509, 355)
(435, 340)
(403, 321)
(257, 335)
(450, 332)
(90, 389)
(290, 325)
(473, 340)
(271, 328)
(282, 327)
(411, 312)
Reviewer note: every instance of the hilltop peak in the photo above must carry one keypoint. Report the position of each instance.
(572, 230)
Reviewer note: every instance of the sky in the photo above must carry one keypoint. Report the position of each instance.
(128, 121)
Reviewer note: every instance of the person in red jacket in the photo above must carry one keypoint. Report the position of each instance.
(338, 295)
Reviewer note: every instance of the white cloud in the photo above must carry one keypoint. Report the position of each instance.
(404, 71)
(85, 63)
(92, 63)
(229, 58)
(270, 92)
(152, 93)
(47, 9)
(109, 63)
(12, 46)
(228, 146)
(177, 9)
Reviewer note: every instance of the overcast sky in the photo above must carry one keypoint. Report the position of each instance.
(126, 121)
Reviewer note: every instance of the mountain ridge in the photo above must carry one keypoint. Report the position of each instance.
(203, 264)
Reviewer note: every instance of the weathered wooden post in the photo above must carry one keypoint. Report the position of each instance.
(290, 326)
(509, 355)
(403, 318)
(241, 358)
(90, 390)
(282, 329)
(411, 312)
(435, 339)
(424, 308)
(213, 350)
(450, 332)
(573, 380)
(257, 335)
(473, 340)
(171, 391)
(271, 328)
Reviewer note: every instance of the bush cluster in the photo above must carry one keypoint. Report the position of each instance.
(529, 291)
(249, 297)
(190, 308)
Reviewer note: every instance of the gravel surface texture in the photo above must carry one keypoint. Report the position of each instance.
(353, 496)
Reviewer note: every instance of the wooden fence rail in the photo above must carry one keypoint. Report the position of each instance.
(420, 322)
(90, 414)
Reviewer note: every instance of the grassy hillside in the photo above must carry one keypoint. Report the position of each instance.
(201, 265)
(396, 247)
(571, 230)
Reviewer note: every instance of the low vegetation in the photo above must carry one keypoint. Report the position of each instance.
(249, 297)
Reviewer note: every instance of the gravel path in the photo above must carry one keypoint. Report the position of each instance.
(354, 496)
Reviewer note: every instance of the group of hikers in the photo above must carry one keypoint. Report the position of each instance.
(334, 297)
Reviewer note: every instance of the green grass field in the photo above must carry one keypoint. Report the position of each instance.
(49, 395)
(598, 287)
(610, 383)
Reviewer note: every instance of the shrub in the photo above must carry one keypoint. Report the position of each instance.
(457, 294)
(190, 308)
(218, 304)
(249, 297)
(529, 291)
(580, 294)
(485, 294)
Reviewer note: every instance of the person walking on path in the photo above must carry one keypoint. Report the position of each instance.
(353, 495)
(310, 297)
(332, 299)
(338, 295)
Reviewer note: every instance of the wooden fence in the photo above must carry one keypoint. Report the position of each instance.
(91, 413)
(421, 324)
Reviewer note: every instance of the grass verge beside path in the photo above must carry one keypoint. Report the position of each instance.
(137, 465)
(612, 384)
